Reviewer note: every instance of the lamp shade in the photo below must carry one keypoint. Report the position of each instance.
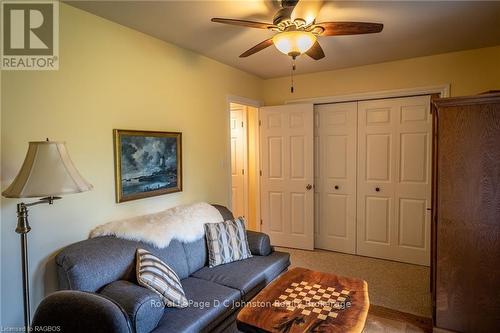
(47, 171)
(294, 43)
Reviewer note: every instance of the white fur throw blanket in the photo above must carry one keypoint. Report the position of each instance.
(184, 223)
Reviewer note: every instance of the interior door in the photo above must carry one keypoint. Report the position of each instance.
(287, 196)
(238, 160)
(394, 185)
(335, 176)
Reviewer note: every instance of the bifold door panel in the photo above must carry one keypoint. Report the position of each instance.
(335, 176)
(287, 162)
(394, 185)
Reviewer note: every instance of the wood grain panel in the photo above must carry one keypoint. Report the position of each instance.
(467, 227)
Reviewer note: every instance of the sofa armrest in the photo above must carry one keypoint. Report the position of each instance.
(80, 312)
(259, 243)
(143, 306)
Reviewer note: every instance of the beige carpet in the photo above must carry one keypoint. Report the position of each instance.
(403, 287)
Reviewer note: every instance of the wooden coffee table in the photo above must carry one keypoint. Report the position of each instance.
(302, 300)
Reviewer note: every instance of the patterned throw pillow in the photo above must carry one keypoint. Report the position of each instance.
(157, 276)
(227, 242)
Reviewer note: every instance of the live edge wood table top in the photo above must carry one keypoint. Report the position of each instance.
(302, 301)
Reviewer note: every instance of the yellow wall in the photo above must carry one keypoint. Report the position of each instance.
(468, 72)
(110, 77)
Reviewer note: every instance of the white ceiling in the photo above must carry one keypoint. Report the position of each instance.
(411, 29)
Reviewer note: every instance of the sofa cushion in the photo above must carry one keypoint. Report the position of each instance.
(196, 254)
(91, 264)
(159, 277)
(143, 306)
(210, 304)
(248, 274)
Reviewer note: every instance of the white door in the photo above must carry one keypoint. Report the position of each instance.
(335, 176)
(394, 179)
(286, 136)
(238, 160)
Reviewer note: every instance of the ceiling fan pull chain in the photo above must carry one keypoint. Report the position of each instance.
(293, 70)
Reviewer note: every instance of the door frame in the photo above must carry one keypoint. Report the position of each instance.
(226, 162)
(443, 90)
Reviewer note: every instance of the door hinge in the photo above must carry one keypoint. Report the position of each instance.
(261, 222)
(260, 122)
(260, 172)
(241, 124)
(242, 171)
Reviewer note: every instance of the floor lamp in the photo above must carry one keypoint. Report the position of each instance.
(47, 173)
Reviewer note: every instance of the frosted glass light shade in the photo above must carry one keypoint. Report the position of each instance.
(294, 43)
(47, 171)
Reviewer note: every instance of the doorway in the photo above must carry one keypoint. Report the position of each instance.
(244, 163)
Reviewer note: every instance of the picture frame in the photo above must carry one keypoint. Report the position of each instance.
(147, 163)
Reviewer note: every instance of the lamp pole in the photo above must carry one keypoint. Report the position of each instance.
(23, 227)
(47, 171)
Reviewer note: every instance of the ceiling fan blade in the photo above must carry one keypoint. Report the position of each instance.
(307, 10)
(257, 48)
(349, 28)
(244, 23)
(316, 51)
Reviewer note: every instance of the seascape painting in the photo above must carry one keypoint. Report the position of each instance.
(147, 164)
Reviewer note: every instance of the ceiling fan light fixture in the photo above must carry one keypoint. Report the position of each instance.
(294, 43)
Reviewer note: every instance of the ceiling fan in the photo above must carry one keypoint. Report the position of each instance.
(297, 31)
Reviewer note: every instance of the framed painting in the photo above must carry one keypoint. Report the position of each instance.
(147, 163)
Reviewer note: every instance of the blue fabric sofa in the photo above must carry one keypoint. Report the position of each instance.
(100, 292)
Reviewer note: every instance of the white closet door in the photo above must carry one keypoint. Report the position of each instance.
(335, 176)
(394, 185)
(238, 160)
(287, 160)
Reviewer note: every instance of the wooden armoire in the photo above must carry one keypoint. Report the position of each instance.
(466, 214)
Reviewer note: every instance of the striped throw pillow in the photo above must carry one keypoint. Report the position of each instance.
(157, 276)
(227, 242)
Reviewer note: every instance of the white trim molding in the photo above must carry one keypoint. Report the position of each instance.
(243, 101)
(443, 90)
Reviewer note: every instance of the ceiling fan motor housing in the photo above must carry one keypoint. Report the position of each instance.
(289, 3)
(282, 15)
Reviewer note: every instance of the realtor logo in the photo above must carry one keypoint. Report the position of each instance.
(30, 35)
